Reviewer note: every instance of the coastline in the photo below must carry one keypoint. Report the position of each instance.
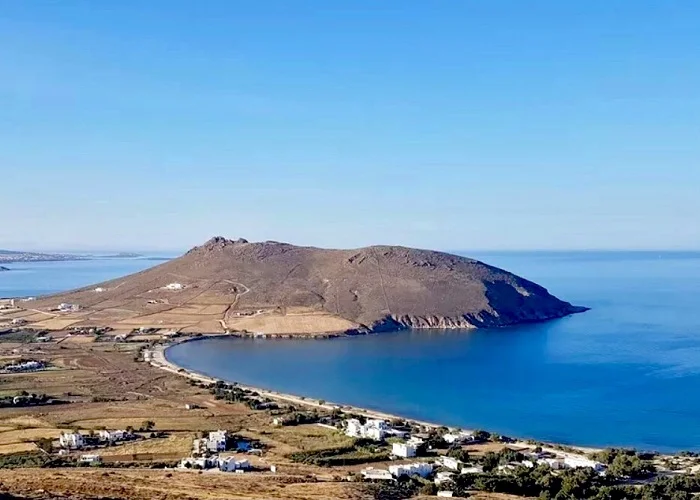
(156, 358)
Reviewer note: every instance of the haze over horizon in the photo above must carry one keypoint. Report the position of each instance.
(498, 125)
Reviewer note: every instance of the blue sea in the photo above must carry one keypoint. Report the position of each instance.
(625, 373)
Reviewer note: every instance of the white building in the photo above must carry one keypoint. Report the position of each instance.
(575, 462)
(458, 437)
(19, 321)
(372, 474)
(199, 463)
(443, 477)
(420, 468)
(403, 450)
(372, 429)
(113, 436)
(71, 440)
(445, 493)
(554, 463)
(174, 286)
(476, 469)
(99, 289)
(450, 463)
(216, 441)
(64, 307)
(230, 464)
(90, 459)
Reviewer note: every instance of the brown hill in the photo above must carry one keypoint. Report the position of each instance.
(279, 288)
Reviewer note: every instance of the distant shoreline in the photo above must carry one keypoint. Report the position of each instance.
(159, 360)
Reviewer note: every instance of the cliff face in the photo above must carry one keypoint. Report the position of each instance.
(370, 289)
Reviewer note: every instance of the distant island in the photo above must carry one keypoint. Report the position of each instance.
(2, 268)
(12, 256)
(272, 288)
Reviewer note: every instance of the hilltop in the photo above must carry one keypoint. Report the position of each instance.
(278, 288)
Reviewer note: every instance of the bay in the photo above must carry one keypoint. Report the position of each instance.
(625, 373)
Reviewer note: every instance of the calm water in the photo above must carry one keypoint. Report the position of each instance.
(626, 373)
(28, 279)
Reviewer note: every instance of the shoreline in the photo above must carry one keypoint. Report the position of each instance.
(157, 358)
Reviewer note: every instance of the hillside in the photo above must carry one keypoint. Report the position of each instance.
(278, 288)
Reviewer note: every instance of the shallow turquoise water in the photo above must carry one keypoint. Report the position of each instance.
(626, 373)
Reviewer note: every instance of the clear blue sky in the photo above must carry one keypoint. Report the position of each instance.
(486, 124)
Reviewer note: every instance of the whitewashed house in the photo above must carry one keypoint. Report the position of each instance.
(71, 440)
(476, 469)
(173, 286)
(443, 477)
(403, 450)
(230, 464)
(419, 468)
(574, 462)
(372, 474)
(450, 463)
(19, 321)
(458, 437)
(199, 463)
(113, 436)
(445, 494)
(372, 429)
(217, 441)
(64, 307)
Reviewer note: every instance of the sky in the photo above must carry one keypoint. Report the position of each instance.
(488, 124)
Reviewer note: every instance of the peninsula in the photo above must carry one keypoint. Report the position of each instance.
(227, 286)
(12, 256)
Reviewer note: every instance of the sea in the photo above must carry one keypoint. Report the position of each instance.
(626, 373)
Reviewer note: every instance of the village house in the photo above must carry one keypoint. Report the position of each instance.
(64, 307)
(199, 463)
(230, 464)
(71, 440)
(26, 366)
(421, 469)
(458, 437)
(574, 462)
(443, 477)
(475, 469)
(450, 463)
(19, 321)
(173, 286)
(113, 436)
(372, 474)
(372, 429)
(403, 450)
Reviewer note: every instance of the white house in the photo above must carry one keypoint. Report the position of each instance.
(419, 468)
(554, 463)
(230, 464)
(173, 286)
(445, 493)
(99, 289)
(458, 437)
(443, 477)
(372, 474)
(575, 462)
(372, 429)
(199, 463)
(68, 307)
(71, 440)
(19, 321)
(403, 450)
(476, 469)
(217, 441)
(450, 463)
(113, 436)
(90, 459)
